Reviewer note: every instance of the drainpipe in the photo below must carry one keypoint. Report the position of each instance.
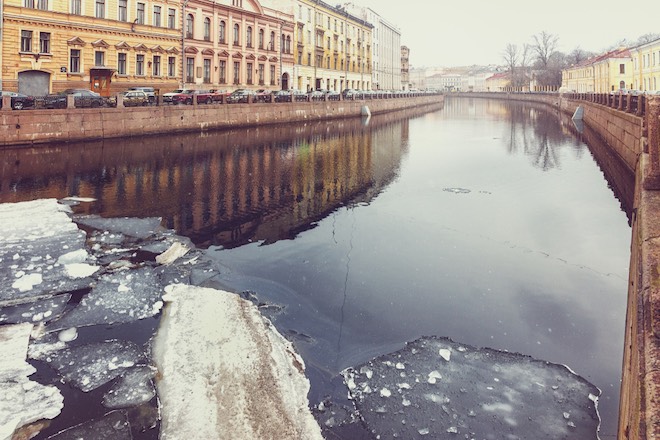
(183, 42)
(2, 28)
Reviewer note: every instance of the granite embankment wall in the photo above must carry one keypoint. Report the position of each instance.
(635, 138)
(70, 125)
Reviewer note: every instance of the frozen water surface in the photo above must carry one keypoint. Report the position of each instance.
(92, 365)
(473, 394)
(120, 297)
(33, 237)
(113, 426)
(38, 311)
(133, 388)
(133, 227)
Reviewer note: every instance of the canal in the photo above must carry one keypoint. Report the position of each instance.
(494, 224)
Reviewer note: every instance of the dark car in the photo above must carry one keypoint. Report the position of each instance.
(264, 95)
(241, 95)
(82, 98)
(282, 96)
(19, 101)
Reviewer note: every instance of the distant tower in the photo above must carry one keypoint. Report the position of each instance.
(405, 68)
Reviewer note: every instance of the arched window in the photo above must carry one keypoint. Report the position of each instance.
(272, 41)
(283, 43)
(261, 38)
(221, 32)
(248, 37)
(237, 35)
(207, 29)
(189, 26)
(288, 44)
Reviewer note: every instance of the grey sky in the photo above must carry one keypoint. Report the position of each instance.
(476, 32)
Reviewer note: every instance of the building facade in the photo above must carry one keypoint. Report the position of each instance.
(386, 48)
(102, 45)
(236, 44)
(405, 68)
(646, 66)
(332, 48)
(607, 72)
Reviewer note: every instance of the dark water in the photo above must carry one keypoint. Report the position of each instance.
(490, 223)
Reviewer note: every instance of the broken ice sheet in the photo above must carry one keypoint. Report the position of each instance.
(113, 426)
(477, 393)
(44, 310)
(92, 365)
(133, 388)
(133, 227)
(123, 296)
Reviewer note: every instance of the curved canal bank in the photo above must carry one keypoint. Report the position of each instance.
(634, 138)
(71, 125)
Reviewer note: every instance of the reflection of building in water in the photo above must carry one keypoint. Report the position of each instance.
(225, 188)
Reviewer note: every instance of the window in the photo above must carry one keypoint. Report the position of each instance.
(248, 37)
(207, 70)
(155, 65)
(261, 38)
(249, 73)
(26, 41)
(171, 66)
(288, 44)
(76, 7)
(140, 13)
(156, 16)
(237, 35)
(190, 70)
(171, 18)
(121, 63)
(74, 61)
(272, 75)
(139, 64)
(238, 3)
(36, 4)
(99, 58)
(189, 26)
(99, 8)
(221, 32)
(122, 12)
(223, 72)
(283, 42)
(237, 71)
(207, 29)
(272, 41)
(622, 68)
(44, 42)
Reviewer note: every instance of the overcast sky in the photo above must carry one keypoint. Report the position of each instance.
(458, 33)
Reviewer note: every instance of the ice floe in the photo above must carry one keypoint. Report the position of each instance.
(133, 388)
(471, 393)
(38, 311)
(112, 426)
(133, 227)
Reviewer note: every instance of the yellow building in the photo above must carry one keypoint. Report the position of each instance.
(102, 45)
(499, 82)
(646, 64)
(332, 48)
(603, 73)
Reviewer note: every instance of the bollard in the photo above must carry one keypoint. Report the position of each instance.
(6, 103)
(652, 177)
(629, 106)
(640, 105)
(620, 103)
(120, 100)
(70, 101)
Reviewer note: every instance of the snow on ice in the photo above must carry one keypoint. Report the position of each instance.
(449, 388)
(22, 401)
(133, 227)
(113, 426)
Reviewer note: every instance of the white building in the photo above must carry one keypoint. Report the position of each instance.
(386, 48)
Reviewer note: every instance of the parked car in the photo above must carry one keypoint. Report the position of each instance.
(264, 95)
(131, 98)
(241, 95)
(350, 93)
(19, 101)
(316, 95)
(149, 91)
(298, 95)
(167, 97)
(220, 95)
(82, 98)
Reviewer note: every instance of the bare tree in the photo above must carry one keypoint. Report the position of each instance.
(577, 55)
(647, 38)
(544, 45)
(511, 56)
